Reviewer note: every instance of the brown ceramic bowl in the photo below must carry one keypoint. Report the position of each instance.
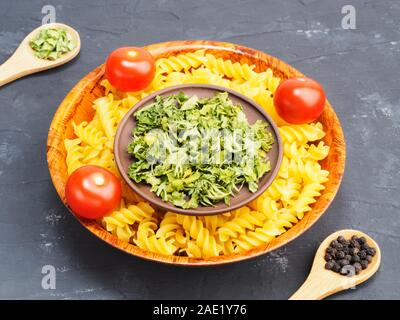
(253, 112)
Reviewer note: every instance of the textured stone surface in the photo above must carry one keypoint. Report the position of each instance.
(359, 69)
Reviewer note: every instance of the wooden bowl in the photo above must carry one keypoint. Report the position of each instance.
(253, 113)
(77, 106)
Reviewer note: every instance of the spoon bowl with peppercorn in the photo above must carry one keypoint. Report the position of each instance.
(41, 50)
(344, 259)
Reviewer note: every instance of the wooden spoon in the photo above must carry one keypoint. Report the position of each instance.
(24, 62)
(322, 283)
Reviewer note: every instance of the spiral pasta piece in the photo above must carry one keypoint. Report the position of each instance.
(205, 242)
(90, 154)
(205, 76)
(306, 198)
(74, 154)
(284, 189)
(267, 206)
(168, 226)
(302, 133)
(228, 68)
(147, 240)
(128, 102)
(294, 151)
(212, 223)
(244, 220)
(318, 152)
(89, 135)
(265, 80)
(104, 159)
(106, 108)
(120, 222)
(180, 62)
(261, 236)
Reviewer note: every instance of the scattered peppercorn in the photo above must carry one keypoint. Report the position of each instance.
(348, 257)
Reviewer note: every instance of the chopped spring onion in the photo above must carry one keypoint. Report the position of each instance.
(52, 43)
(198, 151)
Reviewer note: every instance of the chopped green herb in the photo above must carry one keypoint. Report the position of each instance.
(51, 44)
(198, 151)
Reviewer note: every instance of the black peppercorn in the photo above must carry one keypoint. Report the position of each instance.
(362, 240)
(339, 246)
(328, 257)
(364, 264)
(341, 239)
(331, 251)
(354, 243)
(346, 243)
(336, 267)
(334, 243)
(340, 255)
(344, 262)
(357, 267)
(354, 250)
(329, 265)
(348, 257)
(362, 254)
(371, 251)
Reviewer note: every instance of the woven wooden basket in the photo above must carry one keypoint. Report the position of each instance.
(77, 107)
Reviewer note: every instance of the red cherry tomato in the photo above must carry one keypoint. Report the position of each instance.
(299, 100)
(130, 68)
(92, 192)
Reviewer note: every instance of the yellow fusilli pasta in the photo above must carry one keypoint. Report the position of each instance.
(180, 62)
(74, 154)
(90, 135)
(299, 183)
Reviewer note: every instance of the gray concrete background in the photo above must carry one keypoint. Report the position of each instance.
(358, 68)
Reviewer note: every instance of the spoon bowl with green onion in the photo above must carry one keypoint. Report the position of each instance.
(48, 46)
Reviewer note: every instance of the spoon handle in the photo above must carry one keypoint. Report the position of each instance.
(12, 69)
(317, 288)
